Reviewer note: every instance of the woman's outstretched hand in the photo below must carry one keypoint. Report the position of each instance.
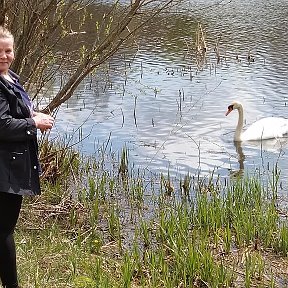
(43, 121)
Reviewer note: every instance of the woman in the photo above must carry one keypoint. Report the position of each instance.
(19, 166)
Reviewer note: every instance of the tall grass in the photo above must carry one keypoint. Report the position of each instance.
(119, 227)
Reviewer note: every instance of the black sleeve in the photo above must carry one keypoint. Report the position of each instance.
(14, 128)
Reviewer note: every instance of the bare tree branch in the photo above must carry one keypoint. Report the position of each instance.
(42, 27)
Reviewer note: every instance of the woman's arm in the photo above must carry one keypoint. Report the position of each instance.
(14, 129)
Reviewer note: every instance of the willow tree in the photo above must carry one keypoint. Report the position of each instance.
(40, 28)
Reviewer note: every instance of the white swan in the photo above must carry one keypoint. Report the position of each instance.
(266, 128)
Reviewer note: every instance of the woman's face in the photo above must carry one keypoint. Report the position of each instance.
(6, 54)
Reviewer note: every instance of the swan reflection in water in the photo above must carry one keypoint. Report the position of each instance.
(269, 145)
(241, 158)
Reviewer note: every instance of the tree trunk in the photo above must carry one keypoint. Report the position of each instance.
(2, 12)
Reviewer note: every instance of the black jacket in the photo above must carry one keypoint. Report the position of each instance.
(19, 165)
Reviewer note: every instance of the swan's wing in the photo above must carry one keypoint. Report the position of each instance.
(266, 128)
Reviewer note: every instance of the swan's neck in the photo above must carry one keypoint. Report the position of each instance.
(238, 132)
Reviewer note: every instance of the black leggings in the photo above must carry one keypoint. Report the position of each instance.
(10, 205)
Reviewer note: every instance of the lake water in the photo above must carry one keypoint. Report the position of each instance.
(168, 106)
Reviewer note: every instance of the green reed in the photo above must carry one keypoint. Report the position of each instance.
(145, 233)
(114, 226)
(128, 268)
(281, 244)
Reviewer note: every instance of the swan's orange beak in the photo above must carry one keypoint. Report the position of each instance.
(230, 108)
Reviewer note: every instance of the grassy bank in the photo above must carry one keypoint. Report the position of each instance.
(100, 223)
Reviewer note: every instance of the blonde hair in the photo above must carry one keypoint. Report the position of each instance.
(5, 33)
